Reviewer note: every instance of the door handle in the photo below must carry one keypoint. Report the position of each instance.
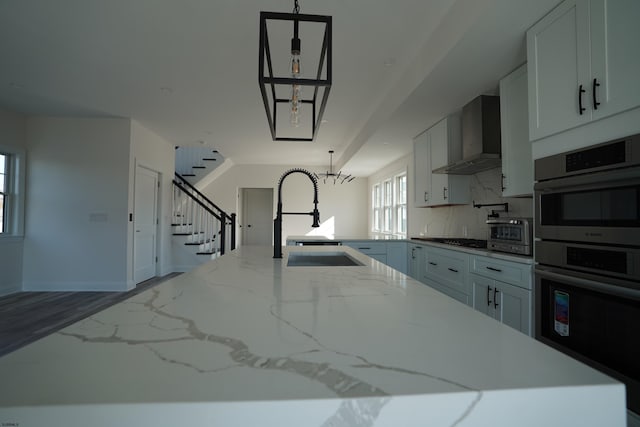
(489, 288)
(444, 193)
(426, 196)
(593, 92)
(249, 226)
(580, 92)
(495, 297)
(433, 263)
(453, 269)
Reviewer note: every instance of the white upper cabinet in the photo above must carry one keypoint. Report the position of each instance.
(517, 163)
(583, 64)
(436, 147)
(615, 61)
(421, 170)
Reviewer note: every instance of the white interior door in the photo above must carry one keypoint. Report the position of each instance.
(145, 224)
(257, 216)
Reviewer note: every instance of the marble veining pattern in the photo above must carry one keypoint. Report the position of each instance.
(245, 335)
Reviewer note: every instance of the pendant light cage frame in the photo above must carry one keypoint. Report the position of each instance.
(269, 82)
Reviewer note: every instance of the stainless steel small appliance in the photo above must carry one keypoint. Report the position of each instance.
(513, 235)
(590, 195)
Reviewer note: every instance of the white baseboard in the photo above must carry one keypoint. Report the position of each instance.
(75, 286)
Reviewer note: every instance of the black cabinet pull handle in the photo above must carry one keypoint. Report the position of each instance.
(364, 248)
(595, 96)
(502, 182)
(494, 269)
(444, 193)
(580, 92)
(426, 196)
(489, 295)
(495, 297)
(433, 263)
(453, 269)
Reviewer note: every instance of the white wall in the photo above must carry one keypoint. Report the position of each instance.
(77, 204)
(451, 221)
(12, 137)
(153, 152)
(345, 203)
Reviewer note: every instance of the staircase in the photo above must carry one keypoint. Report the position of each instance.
(201, 230)
(193, 163)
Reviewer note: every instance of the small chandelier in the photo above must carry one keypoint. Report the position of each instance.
(331, 175)
(294, 102)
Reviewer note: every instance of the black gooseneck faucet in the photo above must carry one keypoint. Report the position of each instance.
(277, 222)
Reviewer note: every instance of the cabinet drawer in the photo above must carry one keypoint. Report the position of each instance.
(368, 248)
(505, 271)
(448, 270)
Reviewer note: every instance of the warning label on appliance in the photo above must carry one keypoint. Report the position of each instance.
(561, 321)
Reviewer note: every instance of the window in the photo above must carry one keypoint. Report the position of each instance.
(11, 191)
(376, 201)
(389, 206)
(4, 186)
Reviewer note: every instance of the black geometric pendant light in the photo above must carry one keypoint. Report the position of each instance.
(302, 100)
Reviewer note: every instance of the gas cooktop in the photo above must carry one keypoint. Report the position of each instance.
(467, 243)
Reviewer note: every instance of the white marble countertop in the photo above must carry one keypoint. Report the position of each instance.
(246, 340)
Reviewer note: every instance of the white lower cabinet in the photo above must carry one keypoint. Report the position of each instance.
(416, 259)
(502, 289)
(447, 272)
(397, 256)
(504, 302)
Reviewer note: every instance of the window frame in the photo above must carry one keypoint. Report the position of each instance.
(14, 192)
(389, 206)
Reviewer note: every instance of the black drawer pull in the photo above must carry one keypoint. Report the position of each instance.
(432, 263)
(494, 269)
(453, 269)
(364, 248)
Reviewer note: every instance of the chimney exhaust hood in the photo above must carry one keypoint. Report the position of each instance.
(480, 138)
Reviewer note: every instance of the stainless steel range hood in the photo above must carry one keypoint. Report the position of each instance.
(480, 138)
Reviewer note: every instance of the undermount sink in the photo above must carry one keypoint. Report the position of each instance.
(321, 259)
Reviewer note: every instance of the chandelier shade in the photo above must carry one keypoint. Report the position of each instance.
(308, 107)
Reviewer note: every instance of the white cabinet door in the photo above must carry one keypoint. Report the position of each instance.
(482, 289)
(517, 163)
(397, 256)
(416, 259)
(615, 61)
(583, 64)
(446, 147)
(558, 60)
(421, 169)
(512, 306)
(506, 303)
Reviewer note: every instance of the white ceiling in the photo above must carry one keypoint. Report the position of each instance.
(188, 69)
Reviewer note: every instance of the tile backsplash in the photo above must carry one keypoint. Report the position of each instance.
(465, 220)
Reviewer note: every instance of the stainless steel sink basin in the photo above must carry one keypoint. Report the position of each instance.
(321, 259)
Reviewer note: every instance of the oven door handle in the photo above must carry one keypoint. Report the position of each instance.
(593, 285)
(603, 179)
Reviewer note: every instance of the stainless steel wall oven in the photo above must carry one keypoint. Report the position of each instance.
(587, 277)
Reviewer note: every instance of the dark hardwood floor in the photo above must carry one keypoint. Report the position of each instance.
(28, 316)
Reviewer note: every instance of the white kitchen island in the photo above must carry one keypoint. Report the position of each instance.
(246, 340)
